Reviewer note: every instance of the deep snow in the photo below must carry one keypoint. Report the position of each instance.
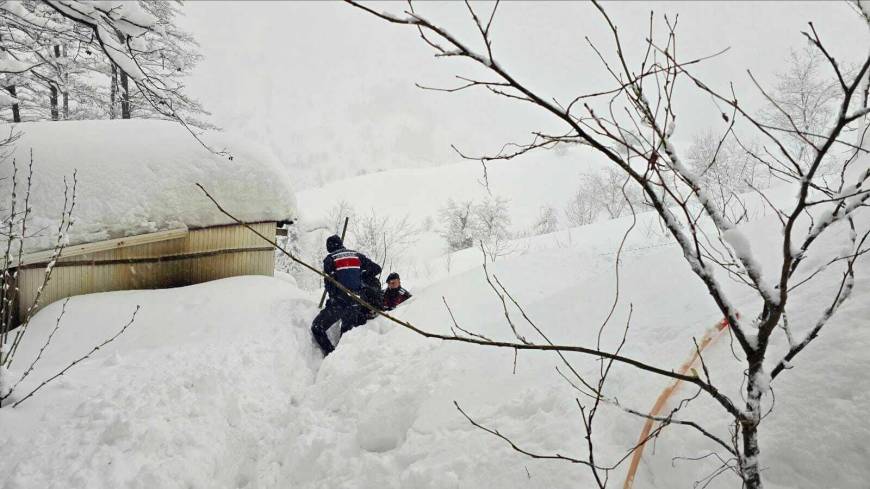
(219, 385)
(139, 176)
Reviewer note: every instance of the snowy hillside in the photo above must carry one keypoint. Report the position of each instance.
(219, 385)
(546, 178)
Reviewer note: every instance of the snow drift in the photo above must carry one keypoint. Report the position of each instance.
(218, 385)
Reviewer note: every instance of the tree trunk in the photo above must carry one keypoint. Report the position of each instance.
(65, 89)
(55, 113)
(113, 94)
(749, 462)
(125, 88)
(16, 112)
(53, 102)
(125, 97)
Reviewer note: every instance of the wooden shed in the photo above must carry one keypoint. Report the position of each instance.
(166, 235)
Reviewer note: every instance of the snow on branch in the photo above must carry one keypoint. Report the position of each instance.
(48, 46)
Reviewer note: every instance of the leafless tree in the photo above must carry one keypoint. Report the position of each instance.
(469, 223)
(491, 226)
(547, 221)
(337, 214)
(805, 97)
(306, 239)
(580, 210)
(605, 194)
(727, 171)
(14, 221)
(457, 220)
(15, 215)
(384, 239)
(381, 238)
(640, 103)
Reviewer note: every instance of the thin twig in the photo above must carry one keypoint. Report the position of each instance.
(75, 362)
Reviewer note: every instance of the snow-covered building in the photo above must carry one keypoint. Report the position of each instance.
(139, 221)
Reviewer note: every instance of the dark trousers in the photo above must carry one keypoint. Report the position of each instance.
(348, 314)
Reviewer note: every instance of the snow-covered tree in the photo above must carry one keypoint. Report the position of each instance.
(491, 223)
(384, 239)
(547, 221)
(611, 193)
(173, 54)
(602, 195)
(458, 225)
(803, 104)
(581, 209)
(336, 216)
(727, 169)
(71, 59)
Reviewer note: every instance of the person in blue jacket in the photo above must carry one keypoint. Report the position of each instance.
(349, 268)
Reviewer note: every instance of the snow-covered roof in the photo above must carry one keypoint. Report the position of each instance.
(139, 176)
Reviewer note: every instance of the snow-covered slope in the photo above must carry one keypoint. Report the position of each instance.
(546, 178)
(139, 176)
(218, 385)
(528, 184)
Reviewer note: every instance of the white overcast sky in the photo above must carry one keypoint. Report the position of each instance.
(330, 89)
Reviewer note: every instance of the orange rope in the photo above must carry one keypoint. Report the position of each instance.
(709, 337)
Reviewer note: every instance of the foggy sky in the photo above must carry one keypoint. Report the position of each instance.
(330, 89)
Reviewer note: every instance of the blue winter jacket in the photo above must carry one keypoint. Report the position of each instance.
(348, 267)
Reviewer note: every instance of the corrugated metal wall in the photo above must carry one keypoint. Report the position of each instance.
(202, 255)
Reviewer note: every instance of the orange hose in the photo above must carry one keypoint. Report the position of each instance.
(709, 337)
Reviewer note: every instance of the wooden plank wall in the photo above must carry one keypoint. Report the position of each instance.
(239, 252)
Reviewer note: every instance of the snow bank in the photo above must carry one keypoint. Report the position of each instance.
(422, 441)
(139, 176)
(218, 385)
(196, 394)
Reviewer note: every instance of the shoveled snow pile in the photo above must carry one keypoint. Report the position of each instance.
(189, 396)
(219, 385)
(139, 176)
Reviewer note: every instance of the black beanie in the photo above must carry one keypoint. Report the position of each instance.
(333, 243)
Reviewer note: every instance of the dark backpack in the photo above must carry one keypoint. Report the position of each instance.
(371, 291)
